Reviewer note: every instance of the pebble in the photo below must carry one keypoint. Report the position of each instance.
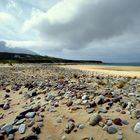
(59, 120)
(10, 137)
(105, 128)
(99, 99)
(97, 93)
(30, 115)
(81, 126)
(125, 122)
(102, 110)
(6, 106)
(84, 97)
(22, 128)
(109, 122)
(85, 101)
(88, 138)
(50, 97)
(131, 94)
(90, 110)
(101, 124)
(49, 137)
(119, 137)
(112, 129)
(20, 121)
(69, 127)
(135, 114)
(94, 119)
(63, 137)
(7, 128)
(117, 121)
(137, 127)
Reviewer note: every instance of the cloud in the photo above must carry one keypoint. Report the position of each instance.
(82, 29)
(6, 17)
(84, 25)
(4, 47)
(99, 26)
(13, 7)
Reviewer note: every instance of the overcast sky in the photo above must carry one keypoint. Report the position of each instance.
(107, 30)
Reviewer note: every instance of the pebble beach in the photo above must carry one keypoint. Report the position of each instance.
(49, 102)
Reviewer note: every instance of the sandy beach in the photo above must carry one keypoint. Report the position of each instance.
(130, 71)
(65, 103)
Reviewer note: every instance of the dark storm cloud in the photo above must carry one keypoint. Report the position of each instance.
(94, 22)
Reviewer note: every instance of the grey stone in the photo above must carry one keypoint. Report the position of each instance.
(59, 120)
(105, 128)
(109, 122)
(49, 137)
(119, 137)
(30, 115)
(101, 124)
(125, 122)
(10, 137)
(85, 101)
(50, 97)
(112, 129)
(22, 128)
(137, 127)
(135, 114)
(84, 97)
(20, 121)
(131, 94)
(6, 106)
(94, 119)
(90, 110)
(102, 110)
(81, 126)
(7, 128)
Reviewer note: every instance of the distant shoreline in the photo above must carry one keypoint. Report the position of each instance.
(115, 70)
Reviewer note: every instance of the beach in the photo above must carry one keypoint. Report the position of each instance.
(130, 71)
(71, 102)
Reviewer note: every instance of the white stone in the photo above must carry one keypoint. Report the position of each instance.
(137, 128)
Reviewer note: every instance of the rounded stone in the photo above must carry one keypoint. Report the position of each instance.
(11, 137)
(137, 127)
(81, 126)
(30, 115)
(94, 119)
(112, 129)
(22, 128)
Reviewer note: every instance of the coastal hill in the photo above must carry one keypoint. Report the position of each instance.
(35, 58)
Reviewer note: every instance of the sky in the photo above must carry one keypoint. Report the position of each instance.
(107, 30)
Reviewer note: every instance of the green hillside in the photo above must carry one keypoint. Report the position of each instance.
(28, 58)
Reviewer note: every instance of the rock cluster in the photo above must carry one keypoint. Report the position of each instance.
(32, 93)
